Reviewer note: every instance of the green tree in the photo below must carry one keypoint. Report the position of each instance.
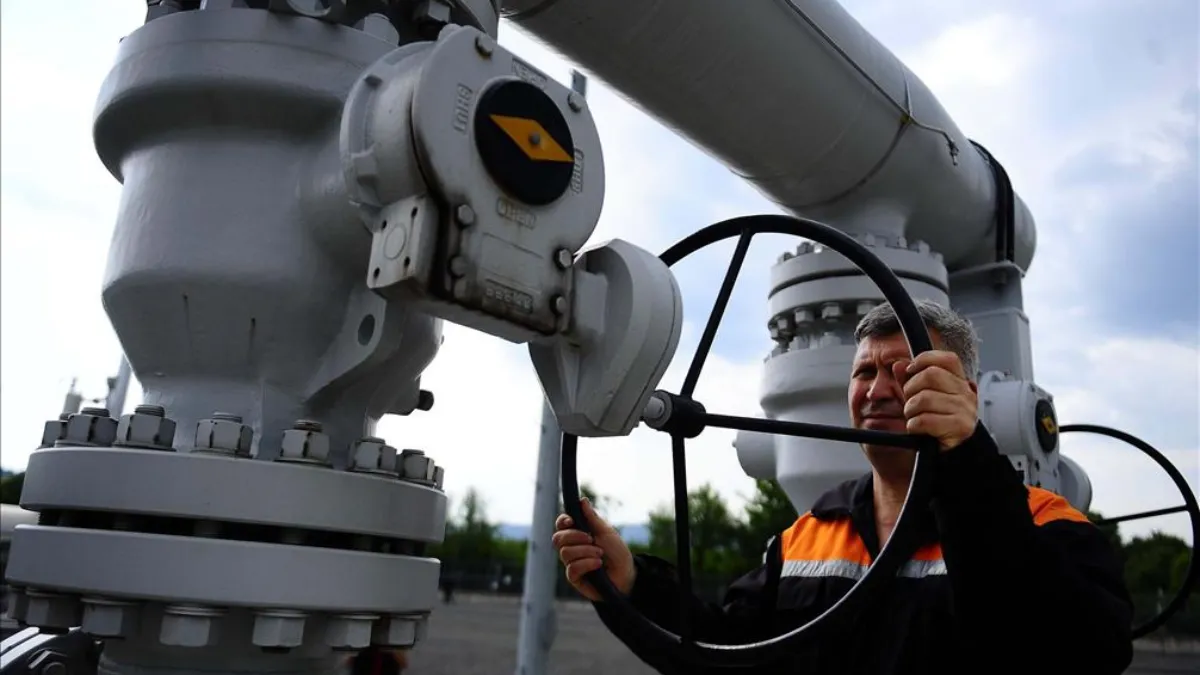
(1179, 568)
(1150, 563)
(470, 539)
(476, 535)
(10, 488)
(712, 531)
(602, 503)
(1110, 531)
(768, 514)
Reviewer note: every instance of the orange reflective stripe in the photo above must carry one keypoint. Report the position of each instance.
(812, 539)
(817, 549)
(1048, 507)
(832, 548)
(929, 552)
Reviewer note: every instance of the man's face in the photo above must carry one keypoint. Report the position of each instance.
(876, 394)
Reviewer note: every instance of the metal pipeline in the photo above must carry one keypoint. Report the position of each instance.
(799, 99)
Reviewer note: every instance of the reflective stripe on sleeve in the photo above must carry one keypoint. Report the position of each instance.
(815, 569)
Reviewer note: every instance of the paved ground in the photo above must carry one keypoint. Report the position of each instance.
(477, 635)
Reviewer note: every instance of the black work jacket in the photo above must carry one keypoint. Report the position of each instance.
(1002, 579)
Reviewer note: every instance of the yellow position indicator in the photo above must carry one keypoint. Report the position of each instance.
(1049, 425)
(532, 139)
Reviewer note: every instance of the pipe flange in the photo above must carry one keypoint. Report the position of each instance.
(219, 573)
(179, 486)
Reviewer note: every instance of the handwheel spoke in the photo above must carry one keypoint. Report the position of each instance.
(1192, 574)
(718, 311)
(806, 430)
(1144, 514)
(683, 547)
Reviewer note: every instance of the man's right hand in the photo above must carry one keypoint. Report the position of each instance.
(582, 552)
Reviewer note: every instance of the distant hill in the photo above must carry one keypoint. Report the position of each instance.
(634, 534)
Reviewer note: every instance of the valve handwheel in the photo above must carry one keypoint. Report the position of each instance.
(1190, 506)
(685, 418)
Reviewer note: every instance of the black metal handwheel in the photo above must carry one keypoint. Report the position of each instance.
(1189, 506)
(686, 418)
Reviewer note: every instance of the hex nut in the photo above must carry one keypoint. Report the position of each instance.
(51, 610)
(224, 435)
(464, 214)
(439, 477)
(349, 631)
(377, 25)
(398, 630)
(278, 628)
(139, 430)
(483, 46)
(189, 626)
(109, 618)
(18, 603)
(90, 428)
(435, 11)
(305, 446)
(55, 430)
(157, 9)
(416, 467)
(373, 455)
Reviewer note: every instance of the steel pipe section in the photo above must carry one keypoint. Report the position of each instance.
(799, 99)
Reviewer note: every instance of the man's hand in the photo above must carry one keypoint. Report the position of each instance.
(582, 553)
(939, 400)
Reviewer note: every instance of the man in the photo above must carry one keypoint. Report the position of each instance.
(1002, 578)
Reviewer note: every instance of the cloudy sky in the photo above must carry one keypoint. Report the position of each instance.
(1091, 104)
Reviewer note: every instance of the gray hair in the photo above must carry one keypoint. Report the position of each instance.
(956, 333)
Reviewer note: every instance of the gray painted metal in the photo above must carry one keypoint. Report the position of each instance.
(235, 283)
(814, 112)
(260, 154)
(237, 490)
(217, 122)
(269, 159)
(73, 400)
(490, 262)
(873, 153)
(539, 621)
(221, 572)
(119, 388)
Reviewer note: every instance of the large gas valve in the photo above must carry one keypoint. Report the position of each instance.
(479, 178)
(1020, 416)
(479, 217)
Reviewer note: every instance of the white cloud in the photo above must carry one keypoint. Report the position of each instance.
(58, 206)
(1146, 387)
(977, 56)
